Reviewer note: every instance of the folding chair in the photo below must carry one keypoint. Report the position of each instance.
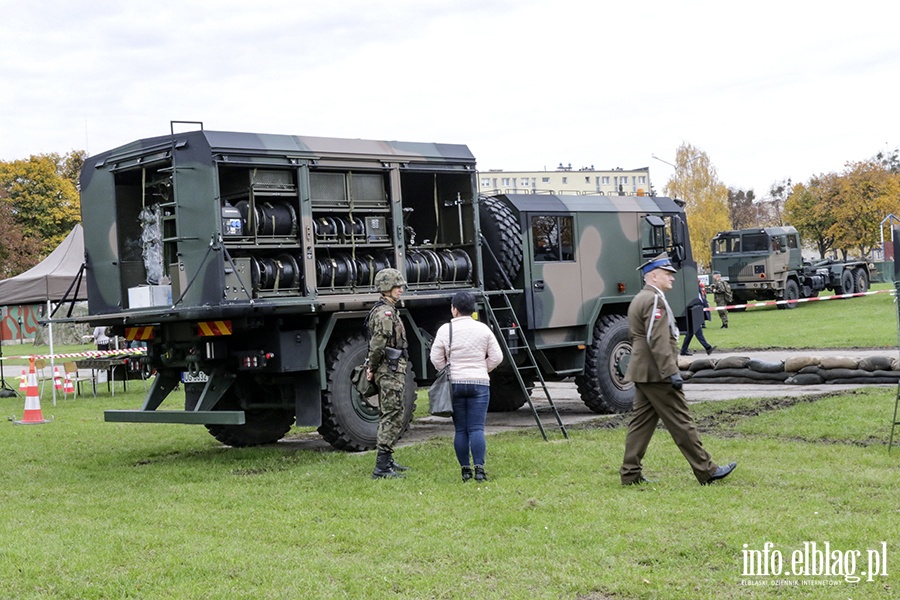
(71, 371)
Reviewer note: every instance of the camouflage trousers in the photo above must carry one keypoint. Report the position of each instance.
(723, 314)
(390, 406)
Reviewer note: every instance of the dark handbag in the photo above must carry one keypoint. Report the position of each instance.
(440, 394)
(365, 387)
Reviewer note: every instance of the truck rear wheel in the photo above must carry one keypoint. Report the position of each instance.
(350, 422)
(791, 293)
(602, 386)
(861, 281)
(506, 393)
(503, 235)
(846, 286)
(262, 426)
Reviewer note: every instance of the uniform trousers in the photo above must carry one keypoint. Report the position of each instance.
(391, 387)
(652, 402)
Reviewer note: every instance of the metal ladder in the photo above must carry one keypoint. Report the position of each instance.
(512, 339)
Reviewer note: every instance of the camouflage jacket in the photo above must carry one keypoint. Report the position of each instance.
(721, 290)
(384, 329)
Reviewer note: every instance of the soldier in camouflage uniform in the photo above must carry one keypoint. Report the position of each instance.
(387, 364)
(722, 293)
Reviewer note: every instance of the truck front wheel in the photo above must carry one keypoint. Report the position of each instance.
(791, 294)
(350, 422)
(602, 386)
(846, 286)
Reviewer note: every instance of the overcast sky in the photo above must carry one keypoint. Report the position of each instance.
(769, 90)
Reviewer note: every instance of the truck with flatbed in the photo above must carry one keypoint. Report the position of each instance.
(244, 264)
(767, 264)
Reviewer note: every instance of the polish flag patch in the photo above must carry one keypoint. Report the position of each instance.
(658, 314)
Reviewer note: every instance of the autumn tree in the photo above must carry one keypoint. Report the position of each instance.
(696, 182)
(17, 253)
(868, 192)
(743, 211)
(42, 194)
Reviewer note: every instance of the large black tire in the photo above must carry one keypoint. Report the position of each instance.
(350, 422)
(791, 293)
(503, 234)
(861, 281)
(263, 425)
(602, 386)
(846, 285)
(506, 393)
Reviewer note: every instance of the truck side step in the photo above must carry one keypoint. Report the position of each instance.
(200, 417)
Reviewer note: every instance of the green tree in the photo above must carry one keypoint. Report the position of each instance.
(43, 195)
(808, 208)
(696, 182)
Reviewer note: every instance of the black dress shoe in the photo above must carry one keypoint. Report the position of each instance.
(721, 473)
(710, 350)
(687, 352)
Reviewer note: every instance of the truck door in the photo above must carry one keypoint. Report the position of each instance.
(554, 296)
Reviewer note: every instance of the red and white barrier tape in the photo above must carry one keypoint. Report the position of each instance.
(85, 354)
(777, 302)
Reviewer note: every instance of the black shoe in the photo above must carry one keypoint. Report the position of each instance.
(721, 473)
(725, 326)
(687, 352)
(479, 473)
(383, 469)
(642, 481)
(466, 473)
(398, 467)
(710, 350)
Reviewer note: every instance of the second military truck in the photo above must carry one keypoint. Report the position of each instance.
(245, 264)
(767, 264)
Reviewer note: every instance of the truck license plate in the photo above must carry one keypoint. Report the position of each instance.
(200, 377)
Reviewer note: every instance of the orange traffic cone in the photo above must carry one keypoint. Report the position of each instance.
(57, 379)
(23, 381)
(33, 414)
(68, 387)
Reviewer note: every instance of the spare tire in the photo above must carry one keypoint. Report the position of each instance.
(503, 236)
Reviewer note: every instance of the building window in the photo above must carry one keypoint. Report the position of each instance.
(485, 182)
(642, 179)
(545, 180)
(606, 179)
(504, 182)
(553, 238)
(587, 179)
(565, 180)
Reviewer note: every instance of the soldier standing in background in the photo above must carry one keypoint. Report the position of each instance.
(387, 363)
(654, 370)
(722, 293)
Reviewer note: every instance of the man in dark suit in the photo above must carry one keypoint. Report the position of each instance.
(654, 370)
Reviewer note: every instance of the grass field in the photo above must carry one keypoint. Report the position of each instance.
(108, 510)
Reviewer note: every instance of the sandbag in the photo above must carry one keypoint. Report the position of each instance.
(795, 363)
(858, 374)
(870, 381)
(766, 367)
(732, 362)
(839, 362)
(699, 364)
(805, 379)
(877, 363)
(814, 369)
(750, 376)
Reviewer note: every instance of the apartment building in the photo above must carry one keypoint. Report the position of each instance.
(566, 180)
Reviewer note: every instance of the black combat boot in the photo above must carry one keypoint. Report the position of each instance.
(479, 473)
(466, 473)
(397, 466)
(383, 468)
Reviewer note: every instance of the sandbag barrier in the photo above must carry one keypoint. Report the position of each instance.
(797, 370)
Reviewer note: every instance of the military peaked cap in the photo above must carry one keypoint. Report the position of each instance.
(660, 262)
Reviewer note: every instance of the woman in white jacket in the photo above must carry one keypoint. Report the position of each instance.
(475, 352)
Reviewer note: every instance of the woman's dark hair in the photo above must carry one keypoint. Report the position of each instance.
(464, 302)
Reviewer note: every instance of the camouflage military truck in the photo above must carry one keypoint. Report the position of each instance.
(245, 264)
(767, 264)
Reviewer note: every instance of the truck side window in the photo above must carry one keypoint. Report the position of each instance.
(792, 241)
(553, 238)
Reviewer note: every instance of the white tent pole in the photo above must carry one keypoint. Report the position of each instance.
(52, 363)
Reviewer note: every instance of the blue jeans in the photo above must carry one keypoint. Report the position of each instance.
(470, 404)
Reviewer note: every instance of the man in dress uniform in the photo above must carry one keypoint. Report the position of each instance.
(654, 370)
(387, 363)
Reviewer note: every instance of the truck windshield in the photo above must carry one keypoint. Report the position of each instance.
(756, 242)
(736, 244)
(728, 244)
